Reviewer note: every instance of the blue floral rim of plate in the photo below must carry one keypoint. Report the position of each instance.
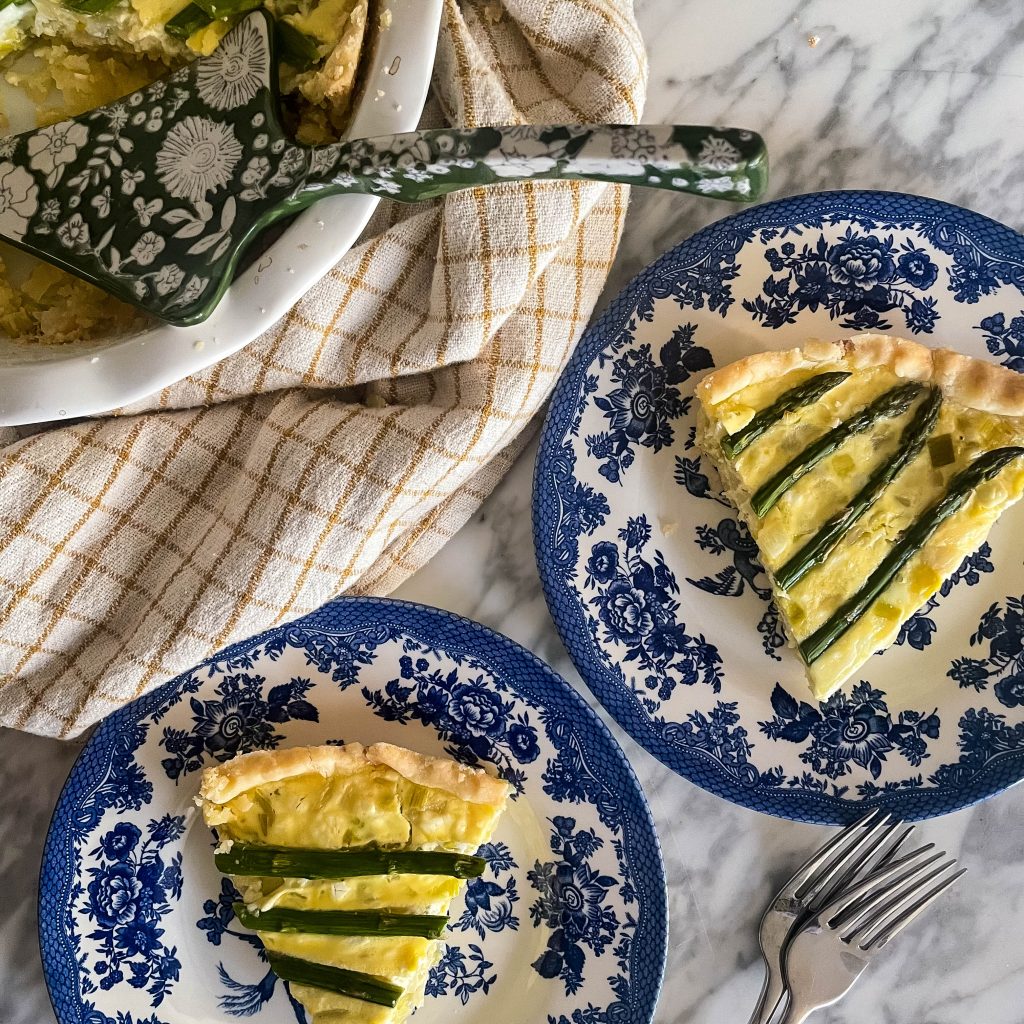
(698, 275)
(106, 776)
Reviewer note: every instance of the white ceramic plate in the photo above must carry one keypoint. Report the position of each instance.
(39, 383)
(568, 924)
(655, 588)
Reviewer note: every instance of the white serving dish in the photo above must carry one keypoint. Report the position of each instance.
(40, 383)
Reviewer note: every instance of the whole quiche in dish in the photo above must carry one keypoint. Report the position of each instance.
(346, 859)
(63, 57)
(866, 470)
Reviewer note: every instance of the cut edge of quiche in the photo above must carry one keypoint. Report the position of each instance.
(347, 859)
(866, 470)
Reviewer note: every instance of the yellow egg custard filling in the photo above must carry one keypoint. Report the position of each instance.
(347, 860)
(866, 470)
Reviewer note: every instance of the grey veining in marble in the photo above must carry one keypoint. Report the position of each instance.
(914, 96)
(32, 773)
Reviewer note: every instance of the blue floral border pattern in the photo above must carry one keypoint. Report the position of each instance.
(984, 734)
(489, 908)
(860, 279)
(637, 615)
(473, 718)
(1002, 630)
(461, 973)
(1005, 340)
(868, 278)
(572, 904)
(646, 399)
(635, 604)
(744, 573)
(242, 719)
(850, 728)
(126, 898)
(130, 889)
(490, 903)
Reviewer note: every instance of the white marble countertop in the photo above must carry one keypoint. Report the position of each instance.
(911, 96)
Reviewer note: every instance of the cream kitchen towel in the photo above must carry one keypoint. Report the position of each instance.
(340, 450)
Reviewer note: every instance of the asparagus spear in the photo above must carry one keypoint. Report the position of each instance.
(907, 545)
(797, 397)
(821, 545)
(296, 47)
(367, 987)
(188, 20)
(894, 402)
(294, 862)
(341, 922)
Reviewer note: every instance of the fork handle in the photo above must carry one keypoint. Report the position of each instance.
(796, 1014)
(720, 163)
(774, 996)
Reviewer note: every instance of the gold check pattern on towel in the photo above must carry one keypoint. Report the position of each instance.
(340, 450)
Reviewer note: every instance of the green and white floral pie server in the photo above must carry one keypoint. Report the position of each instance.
(154, 198)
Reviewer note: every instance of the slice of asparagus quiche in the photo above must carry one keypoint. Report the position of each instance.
(347, 859)
(866, 470)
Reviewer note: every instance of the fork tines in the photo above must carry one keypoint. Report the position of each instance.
(866, 844)
(870, 913)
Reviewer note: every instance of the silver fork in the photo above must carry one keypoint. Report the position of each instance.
(862, 845)
(829, 953)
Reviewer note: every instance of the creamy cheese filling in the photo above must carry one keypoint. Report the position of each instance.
(371, 806)
(374, 806)
(962, 434)
(403, 894)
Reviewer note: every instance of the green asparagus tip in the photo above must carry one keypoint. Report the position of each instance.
(894, 402)
(805, 393)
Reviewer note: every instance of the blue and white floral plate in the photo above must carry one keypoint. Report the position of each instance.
(567, 925)
(655, 587)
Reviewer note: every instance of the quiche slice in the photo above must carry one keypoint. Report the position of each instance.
(347, 860)
(866, 470)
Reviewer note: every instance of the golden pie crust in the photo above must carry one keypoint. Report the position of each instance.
(969, 382)
(226, 781)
